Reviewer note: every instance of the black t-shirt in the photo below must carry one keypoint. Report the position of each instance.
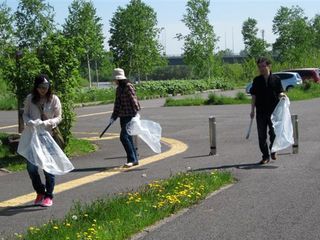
(266, 92)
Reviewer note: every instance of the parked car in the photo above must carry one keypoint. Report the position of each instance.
(307, 73)
(288, 80)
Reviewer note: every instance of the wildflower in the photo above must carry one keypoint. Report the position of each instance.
(74, 217)
(55, 227)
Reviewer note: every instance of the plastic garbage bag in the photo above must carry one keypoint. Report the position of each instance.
(282, 124)
(148, 131)
(39, 148)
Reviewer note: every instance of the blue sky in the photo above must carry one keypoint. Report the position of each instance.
(226, 16)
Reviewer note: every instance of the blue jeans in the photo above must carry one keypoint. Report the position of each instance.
(127, 140)
(40, 188)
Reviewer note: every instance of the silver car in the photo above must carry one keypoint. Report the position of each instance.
(288, 80)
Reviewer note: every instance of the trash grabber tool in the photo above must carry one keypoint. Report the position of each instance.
(105, 130)
(249, 129)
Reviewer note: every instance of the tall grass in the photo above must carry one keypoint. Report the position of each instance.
(127, 214)
(213, 99)
(308, 90)
(8, 102)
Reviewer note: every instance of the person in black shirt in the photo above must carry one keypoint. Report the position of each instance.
(266, 91)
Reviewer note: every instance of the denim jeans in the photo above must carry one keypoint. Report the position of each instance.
(127, 140)
(40, 188)
(264, 122)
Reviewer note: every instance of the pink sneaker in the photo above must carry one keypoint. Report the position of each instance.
(39, 199)
(47, 202)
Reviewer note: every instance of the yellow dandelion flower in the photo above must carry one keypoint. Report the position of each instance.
(55, 227)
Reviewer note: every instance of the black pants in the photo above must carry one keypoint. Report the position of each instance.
(263, 123)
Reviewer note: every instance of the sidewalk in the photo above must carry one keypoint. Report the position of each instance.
(274, 201)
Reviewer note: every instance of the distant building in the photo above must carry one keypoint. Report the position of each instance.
(178, 60)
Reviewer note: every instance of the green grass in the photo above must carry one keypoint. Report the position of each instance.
(193, 101)
(8, 159)
(8, 101)
(308, 90)
(213, 99)
(14, 162)
(127, 214)
(78, 147)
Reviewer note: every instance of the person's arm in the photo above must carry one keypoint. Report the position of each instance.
(253, 105)
(56, 114)
(280, 89)
(26, 110)
(133, 98)
(116, 107)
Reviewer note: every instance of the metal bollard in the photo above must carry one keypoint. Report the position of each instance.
(212, 133)
(135, 143)
(295, 146)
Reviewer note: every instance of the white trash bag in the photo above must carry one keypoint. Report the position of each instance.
(148, 131)
(282, 124)
(39, 148)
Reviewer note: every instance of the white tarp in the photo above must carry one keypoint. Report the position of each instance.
(282, 124)
(148, 131)
(39, 148)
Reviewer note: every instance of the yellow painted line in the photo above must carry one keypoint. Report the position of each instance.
(176, 148)
(100, 139)
(6, 127)
(93, 114)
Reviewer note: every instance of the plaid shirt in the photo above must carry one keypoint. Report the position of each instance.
(126, 103)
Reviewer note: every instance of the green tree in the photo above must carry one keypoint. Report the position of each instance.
(34, 21)
(254, 46)
(59, 60)
(21, 72)
(6, 29)
(134, 39)
(199, 44)
(6, 41)
(85, 26)
(316, 27)
(295, 36)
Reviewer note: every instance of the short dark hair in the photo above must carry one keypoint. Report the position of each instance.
(264, 59)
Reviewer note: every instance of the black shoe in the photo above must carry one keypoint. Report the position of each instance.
(274, 156)
(264, 161)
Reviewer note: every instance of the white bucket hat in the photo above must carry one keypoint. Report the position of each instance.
(118, 74)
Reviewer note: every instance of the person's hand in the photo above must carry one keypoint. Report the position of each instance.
(38, 122)
(110, 121)
(30, 123)
(282, 95)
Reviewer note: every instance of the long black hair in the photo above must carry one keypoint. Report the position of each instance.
(40, 79)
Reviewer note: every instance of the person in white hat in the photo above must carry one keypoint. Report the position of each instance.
(126, 106)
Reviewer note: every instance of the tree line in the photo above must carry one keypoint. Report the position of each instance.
(30, 42)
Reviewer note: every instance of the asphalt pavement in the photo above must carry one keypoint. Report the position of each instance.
(279, 200)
